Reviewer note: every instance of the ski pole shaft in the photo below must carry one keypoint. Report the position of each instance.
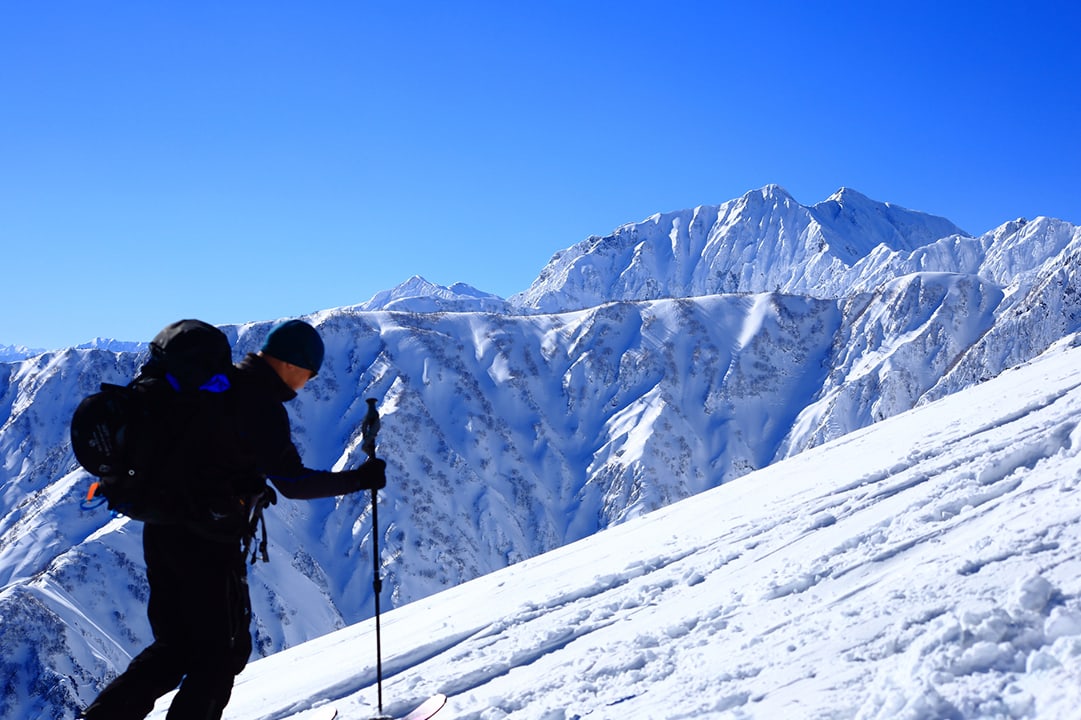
(369, 428)
(377, 587)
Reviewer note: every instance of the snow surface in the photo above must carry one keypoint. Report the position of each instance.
(923, 568)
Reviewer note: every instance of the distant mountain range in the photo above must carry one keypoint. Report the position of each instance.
(14, 353)
(639, 368)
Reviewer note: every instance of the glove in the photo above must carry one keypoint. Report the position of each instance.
(372, 475)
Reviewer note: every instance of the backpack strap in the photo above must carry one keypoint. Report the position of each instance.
(259, 503)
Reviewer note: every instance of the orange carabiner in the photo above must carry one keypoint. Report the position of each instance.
(93, 499)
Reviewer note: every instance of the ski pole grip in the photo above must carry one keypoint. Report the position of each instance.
(369, 428)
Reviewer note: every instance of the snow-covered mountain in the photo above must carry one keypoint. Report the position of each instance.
(762, 242)
(512, 429)
(418, 295)
(14, 353)
(130, 346)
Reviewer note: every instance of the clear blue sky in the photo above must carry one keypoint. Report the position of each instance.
(248, 160)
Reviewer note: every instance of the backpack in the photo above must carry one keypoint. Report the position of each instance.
(155, 445)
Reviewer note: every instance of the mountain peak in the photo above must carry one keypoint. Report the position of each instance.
(846, 194)
(771, 193)
(419, 295)
(774, 190)
(854, 224)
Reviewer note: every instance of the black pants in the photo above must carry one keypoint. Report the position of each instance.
(200, 613)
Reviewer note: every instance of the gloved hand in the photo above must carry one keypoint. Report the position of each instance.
(372, 475)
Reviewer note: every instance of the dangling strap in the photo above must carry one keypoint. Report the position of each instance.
(259, 503)
(262, 543)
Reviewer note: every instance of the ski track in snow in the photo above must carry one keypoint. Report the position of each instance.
(923, 568)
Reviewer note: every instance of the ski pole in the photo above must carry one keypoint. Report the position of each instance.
(369, 428)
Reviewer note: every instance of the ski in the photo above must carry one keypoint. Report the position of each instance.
(428, 708)
(424, 711)
(323, 713)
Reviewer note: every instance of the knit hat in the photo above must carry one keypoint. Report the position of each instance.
(296, 342)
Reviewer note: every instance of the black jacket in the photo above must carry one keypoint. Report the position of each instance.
(258, 394)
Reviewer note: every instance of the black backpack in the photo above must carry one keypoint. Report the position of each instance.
(156, 443)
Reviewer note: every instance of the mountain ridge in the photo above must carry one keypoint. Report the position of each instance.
(764, 241)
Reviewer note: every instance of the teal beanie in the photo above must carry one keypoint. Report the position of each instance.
(296, 342)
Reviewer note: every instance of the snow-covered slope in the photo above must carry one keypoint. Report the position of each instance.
(509, 434)
(923, 568)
